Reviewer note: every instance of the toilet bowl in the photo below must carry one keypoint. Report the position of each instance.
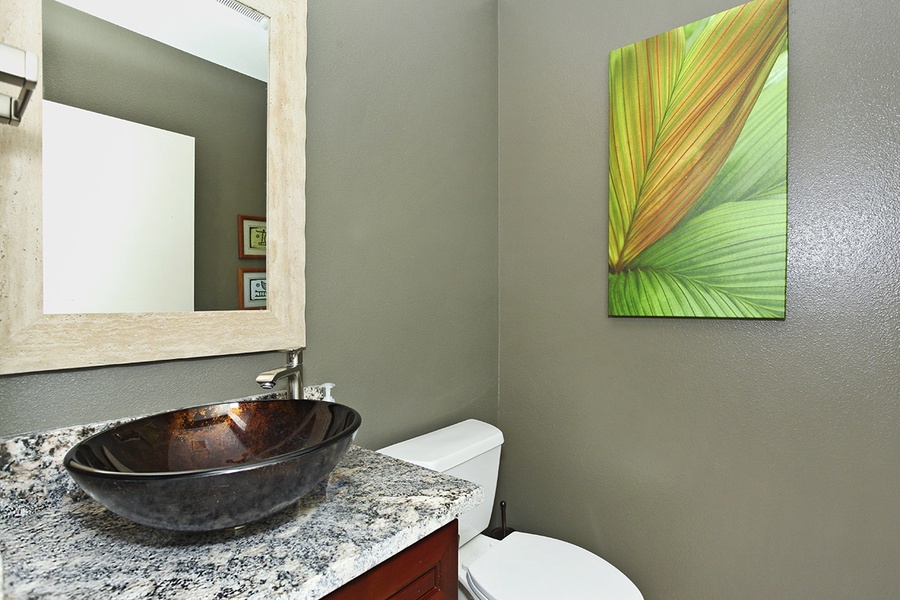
(522, 566)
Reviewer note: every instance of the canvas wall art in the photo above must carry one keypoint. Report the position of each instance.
(698, 168)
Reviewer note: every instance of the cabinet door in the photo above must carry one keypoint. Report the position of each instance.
(427, 569)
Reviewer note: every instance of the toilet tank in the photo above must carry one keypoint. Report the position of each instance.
(469, 450)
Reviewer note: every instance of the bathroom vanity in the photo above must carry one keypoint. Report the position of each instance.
(375, 526)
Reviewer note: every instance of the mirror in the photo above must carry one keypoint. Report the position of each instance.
(157, 125)
(33, 341)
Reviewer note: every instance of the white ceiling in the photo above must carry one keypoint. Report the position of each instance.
(204, 28)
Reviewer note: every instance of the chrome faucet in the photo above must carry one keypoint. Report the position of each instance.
(293, 371)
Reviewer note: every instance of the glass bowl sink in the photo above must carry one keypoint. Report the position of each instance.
(215, 466)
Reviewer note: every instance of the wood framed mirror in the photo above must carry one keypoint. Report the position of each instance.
(32, 341)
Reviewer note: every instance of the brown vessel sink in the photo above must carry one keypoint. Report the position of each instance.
(214, 466)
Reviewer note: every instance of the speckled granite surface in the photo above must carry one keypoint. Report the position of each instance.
(58, 543)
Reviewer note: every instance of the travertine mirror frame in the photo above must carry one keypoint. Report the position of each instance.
(32, 341)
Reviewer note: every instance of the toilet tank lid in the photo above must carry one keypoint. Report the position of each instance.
(446, 448)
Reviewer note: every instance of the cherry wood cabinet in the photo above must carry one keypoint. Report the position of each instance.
(427, 569)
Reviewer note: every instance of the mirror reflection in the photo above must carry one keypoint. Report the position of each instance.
(152, 151)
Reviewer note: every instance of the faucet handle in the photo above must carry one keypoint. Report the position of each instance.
(294, 356)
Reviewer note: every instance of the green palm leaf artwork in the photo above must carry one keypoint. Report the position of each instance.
(698, 168)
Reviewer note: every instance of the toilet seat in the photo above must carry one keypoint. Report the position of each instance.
(525, 566)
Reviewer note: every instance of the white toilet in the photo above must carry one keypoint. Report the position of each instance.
(522, 566)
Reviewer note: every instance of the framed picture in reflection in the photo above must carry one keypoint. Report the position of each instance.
(251, 237)
(251, 289)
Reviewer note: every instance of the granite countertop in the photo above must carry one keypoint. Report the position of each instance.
(55, 542)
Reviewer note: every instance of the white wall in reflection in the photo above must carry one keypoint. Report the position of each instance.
(113, 184)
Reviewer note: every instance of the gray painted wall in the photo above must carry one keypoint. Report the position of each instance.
(402, 211)
(401, 230)
(707, 459)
